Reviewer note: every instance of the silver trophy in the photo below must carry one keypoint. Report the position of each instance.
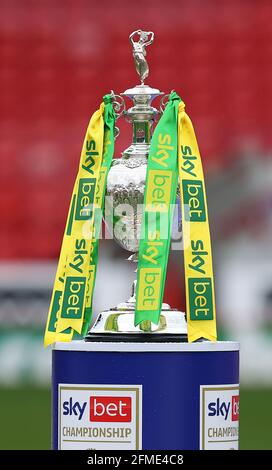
(124, 201)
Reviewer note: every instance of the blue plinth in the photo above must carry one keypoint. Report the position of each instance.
(145, 395)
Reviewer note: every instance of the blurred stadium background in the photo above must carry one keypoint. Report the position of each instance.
(57, 59)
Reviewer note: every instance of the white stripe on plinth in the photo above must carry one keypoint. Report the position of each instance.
(205, 346)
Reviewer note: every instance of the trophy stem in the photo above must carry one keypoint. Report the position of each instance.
(117, 324)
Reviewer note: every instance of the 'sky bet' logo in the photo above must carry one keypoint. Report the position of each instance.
(85, 198)
(235, 408)
(149, 288)
(73, 299)
(159, 190)
(70, 408)
(201, 301)
(110, 409)
(193, 196)
(225, 409)
(102, 409)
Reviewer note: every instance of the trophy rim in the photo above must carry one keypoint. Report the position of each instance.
(142, 90)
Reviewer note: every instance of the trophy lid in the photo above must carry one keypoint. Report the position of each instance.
(142, 90)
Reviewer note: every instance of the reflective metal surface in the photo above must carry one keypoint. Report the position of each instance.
(138, 47)
(126, 178)
(125, 193)
(122, 321)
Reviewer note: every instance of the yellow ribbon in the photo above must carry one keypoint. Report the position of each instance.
(66, 312)
(200, 299)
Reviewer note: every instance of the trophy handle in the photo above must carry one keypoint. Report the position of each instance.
(119, 106)
(116, 132)
(163, 102)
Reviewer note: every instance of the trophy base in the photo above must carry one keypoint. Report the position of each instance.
(135, 338)
(117, 324)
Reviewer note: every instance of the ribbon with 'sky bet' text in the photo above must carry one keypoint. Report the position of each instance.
(70, 309)
(174, 155)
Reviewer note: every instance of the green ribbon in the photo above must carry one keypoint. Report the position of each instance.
(159, 200)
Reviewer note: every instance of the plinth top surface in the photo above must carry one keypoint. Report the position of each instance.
(205, 346)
